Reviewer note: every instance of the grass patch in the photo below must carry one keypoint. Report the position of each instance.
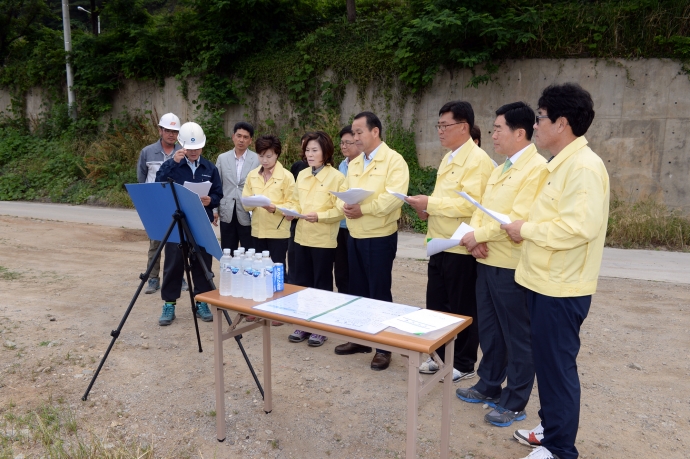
(6, 274)
(646, 224)
(52, 430)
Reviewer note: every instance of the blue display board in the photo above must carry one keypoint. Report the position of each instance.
(155, 205)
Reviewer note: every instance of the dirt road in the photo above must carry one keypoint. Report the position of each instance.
(64, 286)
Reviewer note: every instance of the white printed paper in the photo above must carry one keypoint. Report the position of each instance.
(500, 218)
(365, 315)
(400, 196)
(438, 245)
(306, 304)
(353, 195)
(423, 321)
(290, 213)
(201, 188)
(257, 200)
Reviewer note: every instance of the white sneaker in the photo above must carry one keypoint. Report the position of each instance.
(459, 375)
(540, 453)
(430, 367)
(532, 437)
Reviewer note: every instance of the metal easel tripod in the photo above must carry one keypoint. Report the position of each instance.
(191, 254)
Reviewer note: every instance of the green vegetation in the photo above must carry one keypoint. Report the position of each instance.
(52, 430)
(6, 274)
(646, 224)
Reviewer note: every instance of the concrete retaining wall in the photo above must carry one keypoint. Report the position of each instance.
(641, 128)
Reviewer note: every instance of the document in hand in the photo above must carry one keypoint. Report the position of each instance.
(257, 200)
(353, 195)
(201, 188)
(290, 212)
(422, 321)
(500, 218)
(400, 196)
(438, 245)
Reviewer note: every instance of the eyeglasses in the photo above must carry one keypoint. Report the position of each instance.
(345, 142)
(540, 117)
(169, 131)
(443, 127)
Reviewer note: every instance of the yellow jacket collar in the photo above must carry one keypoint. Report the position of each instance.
(462, 155)
(566, 153)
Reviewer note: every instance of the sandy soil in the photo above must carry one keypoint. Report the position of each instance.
(71, 286)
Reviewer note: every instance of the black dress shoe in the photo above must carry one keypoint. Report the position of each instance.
(380, 361)
(351, 348)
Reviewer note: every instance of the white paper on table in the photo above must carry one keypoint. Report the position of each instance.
(365, 315)
(200, 188)
(290, 212)
(257, 200)
(306, 303)
(423, 321)
(400, 196)
(353, 195)
(500, 218)
(438, 245)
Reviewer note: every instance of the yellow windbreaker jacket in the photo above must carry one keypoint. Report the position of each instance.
(280, 189)
(469, 171)
(313, 195)
(388, 170)
(512, 194)
(565, 233)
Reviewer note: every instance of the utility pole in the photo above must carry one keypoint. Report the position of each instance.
(71, 100)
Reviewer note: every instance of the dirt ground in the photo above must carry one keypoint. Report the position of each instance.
(64, 286)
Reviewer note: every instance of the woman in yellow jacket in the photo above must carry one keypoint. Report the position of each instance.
(316, 234)
(269, 228)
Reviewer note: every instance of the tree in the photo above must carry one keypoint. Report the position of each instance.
(351, 11)
(18, 19)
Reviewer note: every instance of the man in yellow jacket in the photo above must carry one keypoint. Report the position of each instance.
(452, 274)
(560, 261)
(373, 223)
(502, 314)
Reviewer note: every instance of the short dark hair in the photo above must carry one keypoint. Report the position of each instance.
(462, 111)
(346, 130)
(373, 121)
(570, 101)
(325, 142)
(244, 125)
(476, 134)
(518, 115)
(269, 142)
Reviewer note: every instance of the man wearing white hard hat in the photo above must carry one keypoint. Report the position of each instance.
(150, 160)
(187, 165)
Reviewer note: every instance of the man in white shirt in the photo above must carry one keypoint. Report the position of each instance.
(233, 166)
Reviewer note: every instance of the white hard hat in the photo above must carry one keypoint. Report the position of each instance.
(191, 136)
(170, 121)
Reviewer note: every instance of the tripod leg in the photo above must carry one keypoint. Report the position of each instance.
(187, 269)
(246, 357)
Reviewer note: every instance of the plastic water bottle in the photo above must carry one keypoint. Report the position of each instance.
(259, 284)
(268, 272)
(251, 253)
(236, 269)
(247, 277)
(225, 274)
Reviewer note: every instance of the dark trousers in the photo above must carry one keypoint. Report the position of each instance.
(173, 270)
(277, 247)
(342, 267)
(234, 234)
(555, 344)
(504, 334)
(371, 267)
(289, 274)
(156, 270)
(451, 288)
(315, 267)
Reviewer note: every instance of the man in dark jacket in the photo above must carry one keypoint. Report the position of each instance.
(187, 165)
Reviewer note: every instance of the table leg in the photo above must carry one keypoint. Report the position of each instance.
(447, 400)
(218, 364)
(268, 392)
(412, 404)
